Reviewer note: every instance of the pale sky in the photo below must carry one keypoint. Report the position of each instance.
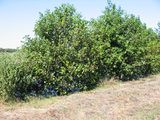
(17, 17)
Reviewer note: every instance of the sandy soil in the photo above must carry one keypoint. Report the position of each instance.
(119, 102)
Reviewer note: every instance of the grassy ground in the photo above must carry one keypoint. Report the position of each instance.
(134, 100)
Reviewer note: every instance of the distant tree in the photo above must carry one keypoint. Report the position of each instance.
(10, 50)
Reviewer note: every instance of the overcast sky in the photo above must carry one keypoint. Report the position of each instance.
(17, 17)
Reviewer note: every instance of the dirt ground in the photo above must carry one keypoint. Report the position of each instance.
(119, 102)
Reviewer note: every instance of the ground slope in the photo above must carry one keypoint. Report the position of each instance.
(136, 100)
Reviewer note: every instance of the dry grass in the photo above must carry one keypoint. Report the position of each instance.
(148, 112)
(114, 101)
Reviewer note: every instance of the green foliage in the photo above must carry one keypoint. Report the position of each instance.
(13, 76)
(70, 54)
(71, 66)
(122, 42)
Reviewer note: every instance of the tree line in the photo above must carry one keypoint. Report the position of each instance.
(10, 50)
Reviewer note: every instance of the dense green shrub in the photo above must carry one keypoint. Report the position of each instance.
(71, 66)
(122, 42)
(54, 66)
(70, 54)
(153, 56)
(14, 77)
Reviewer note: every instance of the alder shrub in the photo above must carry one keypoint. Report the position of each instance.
(71, 64)
(70, 54)
(122, 42)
